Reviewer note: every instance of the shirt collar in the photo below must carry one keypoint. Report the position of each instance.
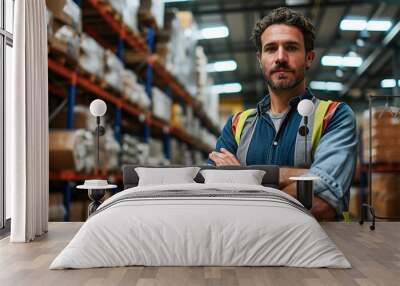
(264, 105)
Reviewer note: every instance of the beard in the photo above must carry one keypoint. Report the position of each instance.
(285, 83)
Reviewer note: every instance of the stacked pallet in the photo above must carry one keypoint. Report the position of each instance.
(113, 71)
(162, 104)
(76, 149)
(134, 91)
(385, 135)
(64, 26)
(386, 194)
(127, 11)
(91, 60)
(134, 151)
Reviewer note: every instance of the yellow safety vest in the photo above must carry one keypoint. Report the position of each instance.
(322, 116)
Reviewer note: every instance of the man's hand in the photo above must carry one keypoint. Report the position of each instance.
(223, 158)
(321, 209)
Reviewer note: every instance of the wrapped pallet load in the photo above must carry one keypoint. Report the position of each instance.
(128, 9)
(181, 58)
(156, 153)
(201, 74)
(162, 104)
(134, 151)
(113, 72)
(134, 90)
(64, 26)
(91, 59)
(180, 153)
(109, 152)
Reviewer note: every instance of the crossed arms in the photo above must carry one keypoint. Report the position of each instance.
(321, 209)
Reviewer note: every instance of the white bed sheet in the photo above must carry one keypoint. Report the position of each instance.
(200, 232)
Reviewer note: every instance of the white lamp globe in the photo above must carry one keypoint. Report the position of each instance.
(305, 107)
(98, 107)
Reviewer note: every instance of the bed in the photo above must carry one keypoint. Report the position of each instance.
(201, 224)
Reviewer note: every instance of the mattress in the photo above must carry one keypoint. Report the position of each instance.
(201, 225)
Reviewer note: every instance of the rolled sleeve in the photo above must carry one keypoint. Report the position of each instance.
(335, 159)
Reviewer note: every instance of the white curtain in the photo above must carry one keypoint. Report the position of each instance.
(27, 124)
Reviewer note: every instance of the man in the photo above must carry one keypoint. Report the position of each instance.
(270, 133)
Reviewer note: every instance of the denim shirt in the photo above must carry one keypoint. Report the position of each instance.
(334, 158)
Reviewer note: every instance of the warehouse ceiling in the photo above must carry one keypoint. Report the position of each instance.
(377, 49)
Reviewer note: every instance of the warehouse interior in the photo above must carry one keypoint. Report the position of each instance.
(172, 72)
(109, 85)
(197, 79)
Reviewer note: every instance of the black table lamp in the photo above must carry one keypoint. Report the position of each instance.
(97, 187)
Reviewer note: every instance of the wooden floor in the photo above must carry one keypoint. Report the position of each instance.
(375, 256)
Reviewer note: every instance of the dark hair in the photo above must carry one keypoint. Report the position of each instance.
(284, 15)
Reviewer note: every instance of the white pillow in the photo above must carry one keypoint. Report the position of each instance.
(249, 177)
(166, 176)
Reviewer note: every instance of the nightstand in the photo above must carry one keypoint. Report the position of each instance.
(96, 190)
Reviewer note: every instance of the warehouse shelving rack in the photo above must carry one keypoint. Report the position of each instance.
(120, 102)
(108, 26)
(121, 33)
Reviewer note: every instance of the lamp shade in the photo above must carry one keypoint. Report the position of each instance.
(305, 107)
(98, 107)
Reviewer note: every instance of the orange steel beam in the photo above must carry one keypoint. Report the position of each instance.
(137, 43)
(72, 175)
(90, 86)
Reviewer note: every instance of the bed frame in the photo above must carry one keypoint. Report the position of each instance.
(270, 179)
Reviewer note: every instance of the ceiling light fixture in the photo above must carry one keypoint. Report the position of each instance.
(214, 32)
(221, 66)
(337, 61)
(326, 85)
(389, 83)
(227, 88)
(360, 24)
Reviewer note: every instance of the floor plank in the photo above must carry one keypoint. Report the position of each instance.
(374, 255)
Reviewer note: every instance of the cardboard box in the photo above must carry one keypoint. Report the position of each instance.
(385, 135)
(82, 119)
(56, 6)
(78, 210)
(65, 13)
(386, 194)
(61, 147)
(355, 201)
(56, 207)
(70, 149)
(383, 154)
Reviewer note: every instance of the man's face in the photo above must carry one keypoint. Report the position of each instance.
(283, 58)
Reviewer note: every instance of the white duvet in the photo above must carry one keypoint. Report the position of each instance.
(188, 231)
